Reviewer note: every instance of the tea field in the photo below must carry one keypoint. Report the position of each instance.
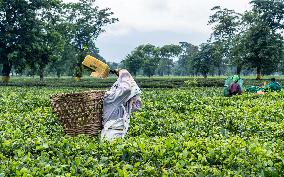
(143, 82)
(179, 132)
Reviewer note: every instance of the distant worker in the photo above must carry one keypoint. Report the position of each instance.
(272, 86)
(235, 88)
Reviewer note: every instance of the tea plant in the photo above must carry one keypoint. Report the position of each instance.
(179, 132)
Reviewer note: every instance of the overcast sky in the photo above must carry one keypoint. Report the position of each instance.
(158, 22)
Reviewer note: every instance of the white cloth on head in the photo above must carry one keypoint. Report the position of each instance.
(122, 99)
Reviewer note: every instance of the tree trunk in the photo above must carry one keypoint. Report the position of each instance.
(6, 69)
(219, 71)
(41, 72)
(239, 69)
(6, 72)
(58, 74)
(258, 73)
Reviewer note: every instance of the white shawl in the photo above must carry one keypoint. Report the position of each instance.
(122, 99)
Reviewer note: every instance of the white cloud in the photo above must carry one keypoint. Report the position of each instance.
(148, 21)
(173, 15)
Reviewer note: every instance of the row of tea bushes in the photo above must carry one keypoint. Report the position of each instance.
(179, 132)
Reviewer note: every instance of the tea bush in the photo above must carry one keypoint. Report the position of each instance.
(179, 132)
(143, 82)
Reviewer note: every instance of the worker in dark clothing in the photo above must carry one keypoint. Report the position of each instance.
(235, 88)
(272, 86)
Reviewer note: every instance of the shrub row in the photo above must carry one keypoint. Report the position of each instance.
(166, 82)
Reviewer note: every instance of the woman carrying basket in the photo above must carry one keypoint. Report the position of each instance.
(119, 102)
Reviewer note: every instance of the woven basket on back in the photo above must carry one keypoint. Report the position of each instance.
(79, 113)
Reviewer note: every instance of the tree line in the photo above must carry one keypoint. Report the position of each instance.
(43, 36)
(240, 42)
(51, 37)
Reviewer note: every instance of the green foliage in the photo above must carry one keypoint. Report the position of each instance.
(143, 82)
(47, 42)
(184, 65)
(85, 22)
(33, 33)
(151, 59)
(66, 63)
(204, 60)
(226, 22)
(252, 39)
(179, 132)
(16, 18)
(263, 40)
(133, 62)
(167, 54)
(226, 26)
(191, 83)
(145, 57)
(263, 50)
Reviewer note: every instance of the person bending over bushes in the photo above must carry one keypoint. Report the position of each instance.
(235, 88)
(272, 86)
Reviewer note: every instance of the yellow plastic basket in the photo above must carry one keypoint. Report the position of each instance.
(101, 70)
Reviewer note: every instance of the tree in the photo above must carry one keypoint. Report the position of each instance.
(85, 23)
(263, 40)
(218, 61)
(184, 65)
(203, 61)
(145, 57)
(16, 58)
(238, 53)
(263, 50)
(16, 18)
(113, 65)
(33, 33)
(65, 63)
(251, 39)
(281, 65)
(150, 56)
(227, 24)
(167, 53)
(26, 33)
(133, 61)
(48, 42)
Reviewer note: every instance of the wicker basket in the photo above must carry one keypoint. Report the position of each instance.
(79, 113)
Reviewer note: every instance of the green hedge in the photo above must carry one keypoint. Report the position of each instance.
(161, 82)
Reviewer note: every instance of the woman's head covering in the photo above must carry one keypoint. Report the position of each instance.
(124, 75)
(134, 97)
(236, 78)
